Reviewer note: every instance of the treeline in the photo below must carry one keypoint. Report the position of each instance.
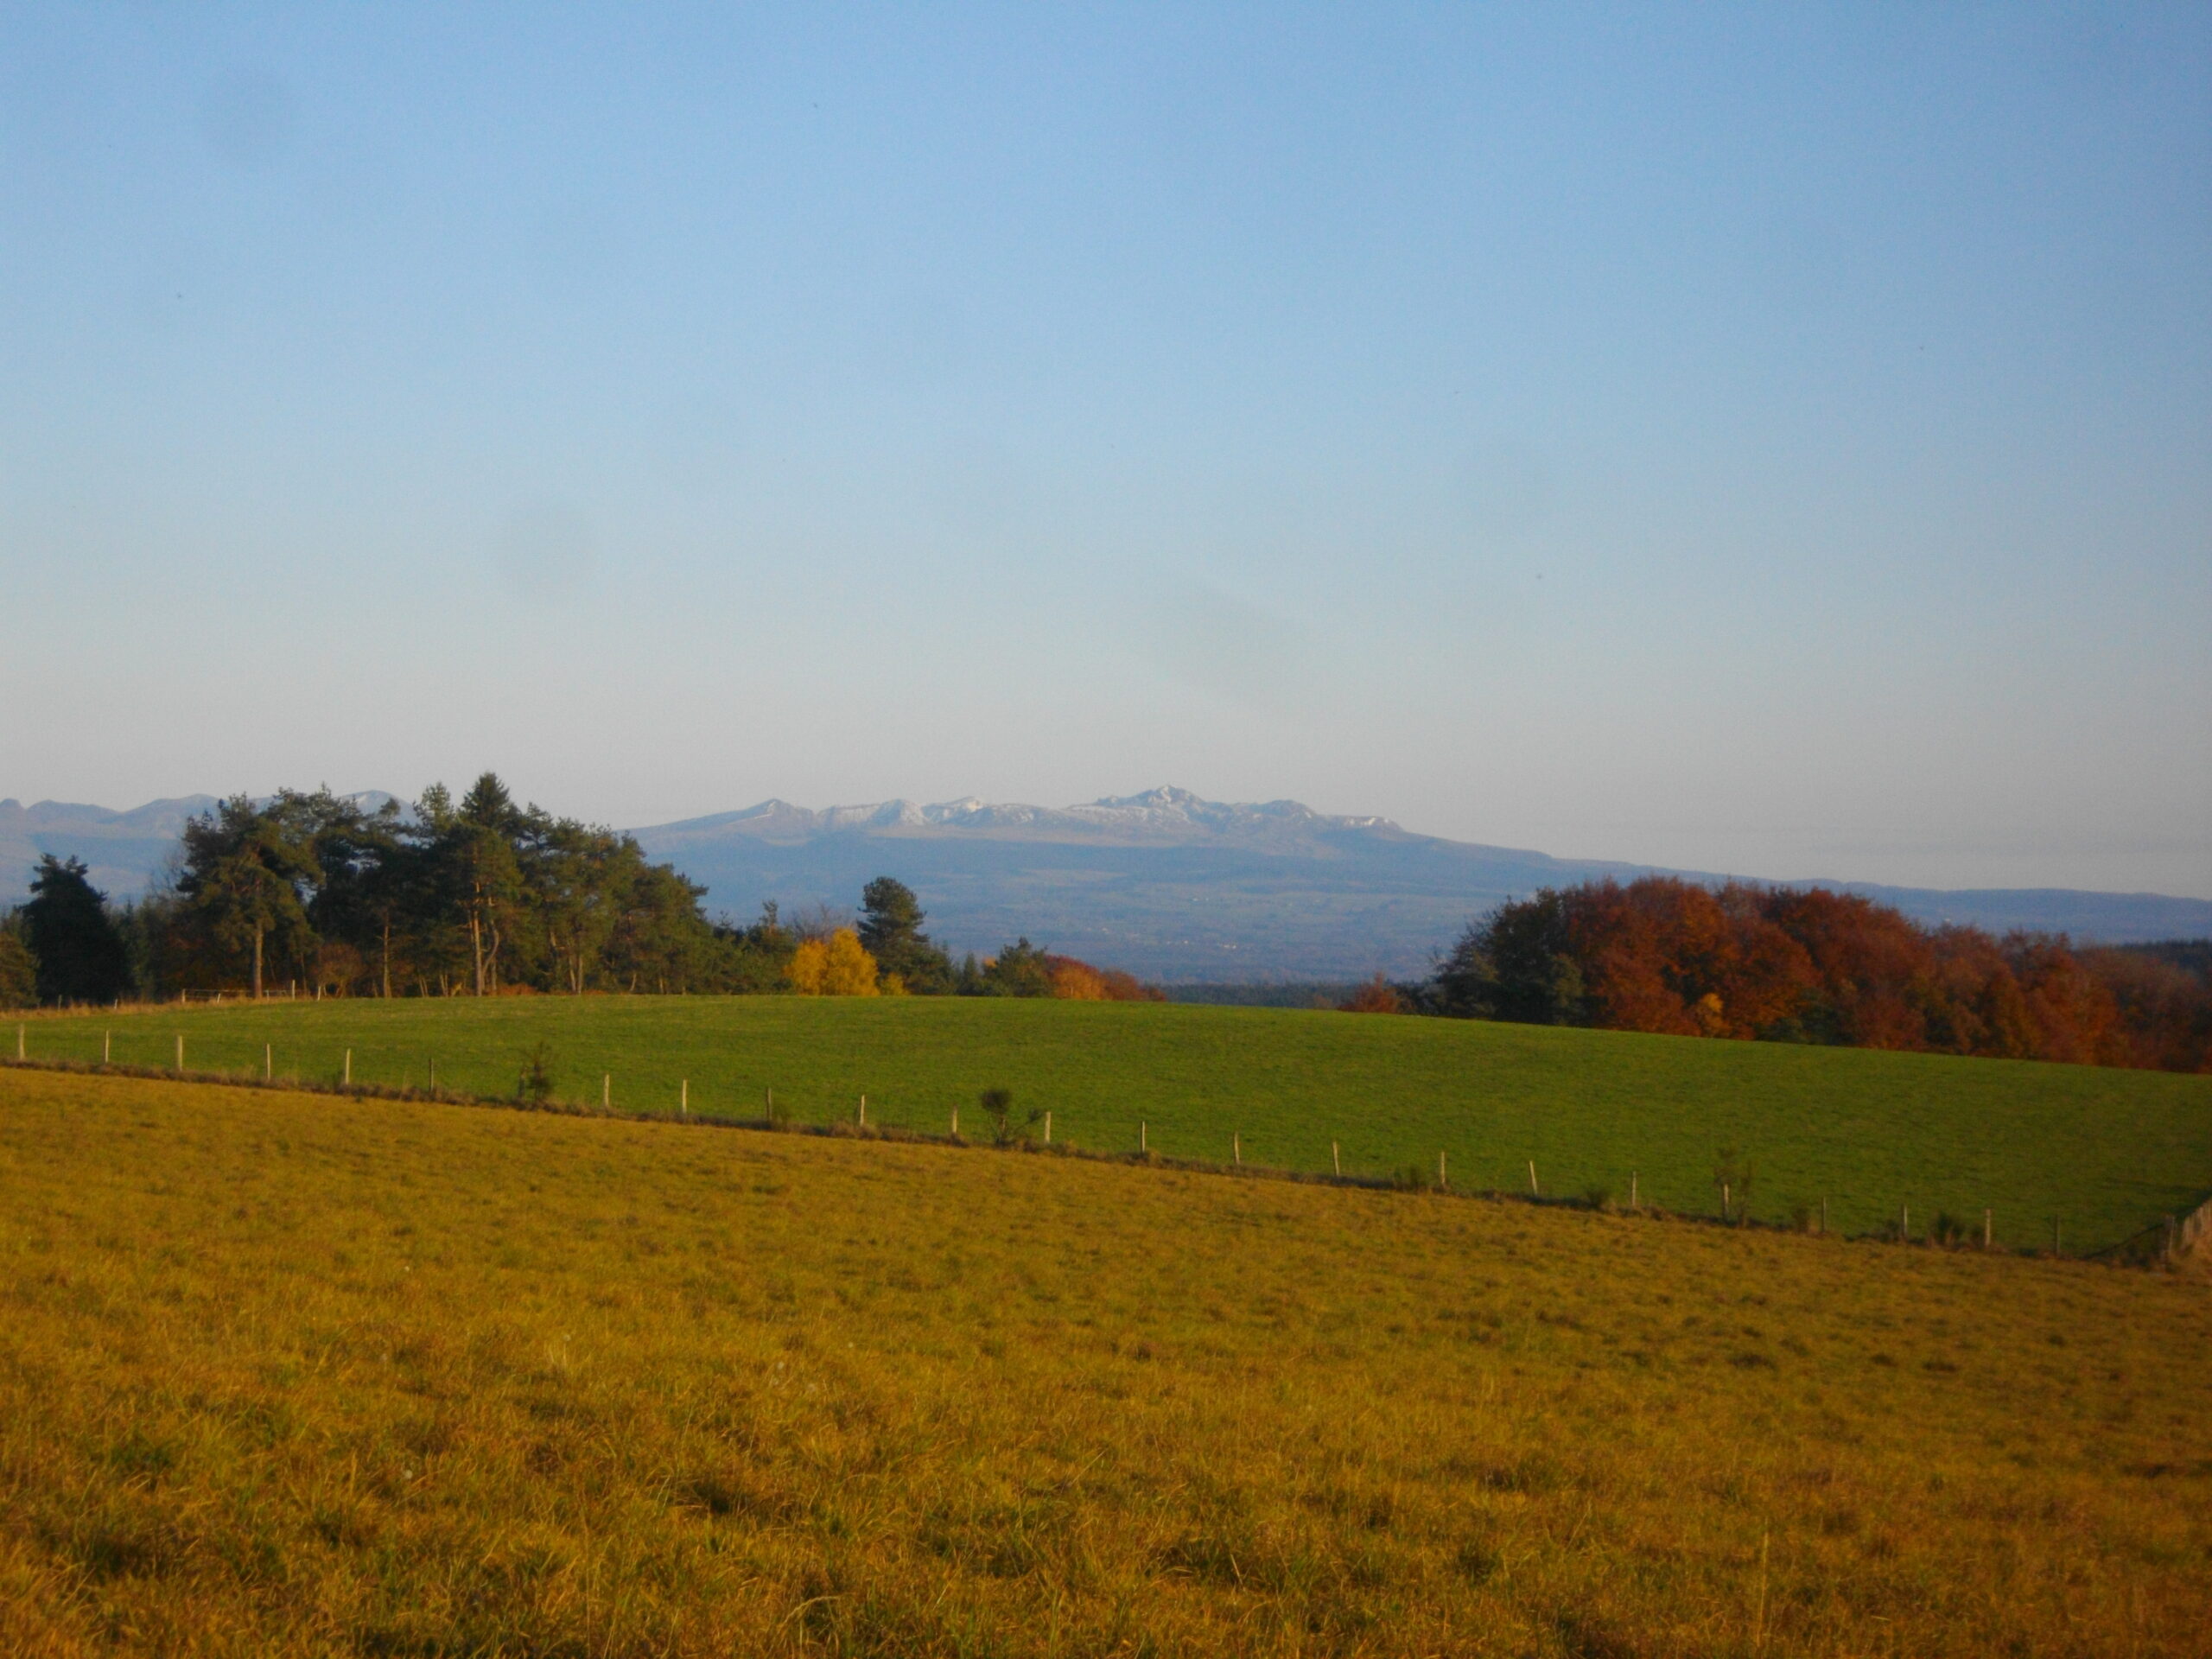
(1808, 965)
(313, 893)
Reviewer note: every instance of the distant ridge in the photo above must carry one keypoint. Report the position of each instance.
(1170, 884)
(1165, 883)
(122, 849)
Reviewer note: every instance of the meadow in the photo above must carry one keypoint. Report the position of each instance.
(2099, 1154)
(283, 1373)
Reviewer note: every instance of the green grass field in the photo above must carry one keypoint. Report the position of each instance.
(2102, 1151)
(298, 1374)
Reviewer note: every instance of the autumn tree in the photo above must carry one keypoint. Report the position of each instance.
(836, 966)
(1660, 954)
(1075, 982)
(1377, 996)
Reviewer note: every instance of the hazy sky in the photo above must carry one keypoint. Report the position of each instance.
(1777, 441)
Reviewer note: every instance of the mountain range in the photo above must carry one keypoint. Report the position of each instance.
(1165, 884)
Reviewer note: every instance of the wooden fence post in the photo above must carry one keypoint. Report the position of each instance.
(1984, 1230)
(179, 1051)
(683, 1098)
(267, 1061)
(1534, 1190)
(605, 1091)
(1443, 1184)
(1144, 1137)
(1237, 1150)
(1632, 1201)
(107, 1046)
(1048, 1128)
(1336, 1160)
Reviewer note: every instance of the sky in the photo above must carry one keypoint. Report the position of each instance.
(1774, 439)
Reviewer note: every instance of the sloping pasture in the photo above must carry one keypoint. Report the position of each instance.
(2099, 1153)
(284, 1373)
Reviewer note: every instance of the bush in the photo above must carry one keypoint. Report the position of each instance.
(535, 1085)
(997, 1105)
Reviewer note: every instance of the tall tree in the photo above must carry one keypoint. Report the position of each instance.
(245, 869)
(475, 848)
(574, 884)
(66, 924)
(891, 931)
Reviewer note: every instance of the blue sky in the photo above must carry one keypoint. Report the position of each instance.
(1777, 440)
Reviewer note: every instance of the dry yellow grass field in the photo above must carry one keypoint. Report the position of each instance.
(294, 1374)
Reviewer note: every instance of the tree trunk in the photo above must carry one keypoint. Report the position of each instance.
(476, 946)
(257, 964)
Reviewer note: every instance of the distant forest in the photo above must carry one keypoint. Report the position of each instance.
(1808, 965)
(312, 894)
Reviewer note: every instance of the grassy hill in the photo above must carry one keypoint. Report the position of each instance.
(2103, 1151)
(283, 1373)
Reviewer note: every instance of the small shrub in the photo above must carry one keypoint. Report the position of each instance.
(997, 1104)
(535, 1085)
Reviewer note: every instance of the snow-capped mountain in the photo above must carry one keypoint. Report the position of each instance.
(1165, 815)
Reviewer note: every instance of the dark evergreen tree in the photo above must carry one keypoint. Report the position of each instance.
(78, 950)
(891, 931)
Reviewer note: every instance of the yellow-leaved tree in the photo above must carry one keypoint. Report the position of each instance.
(1077, 981)
(836, 966)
